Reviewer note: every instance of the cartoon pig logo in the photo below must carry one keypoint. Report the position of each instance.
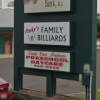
(28, 1)
(35, 1)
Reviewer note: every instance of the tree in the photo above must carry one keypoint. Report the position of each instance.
(98, 25)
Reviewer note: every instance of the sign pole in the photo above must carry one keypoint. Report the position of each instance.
(94, 37)
(18, 80)
(51, 85)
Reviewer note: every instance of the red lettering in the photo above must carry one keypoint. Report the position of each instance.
(55, 63)
(37, 65)
(61, 64)
(46, 63)
(54, 67)
(32, 62)
(47, 66)
(41, 62)
(46, 58)
(62, 60)
(34, 65)
(50, 59)
(31, 29)
(26, 31)
(41, 58)
(50, 67)
(37, 62)
(66, 60)
(41, 66)
(32, 57)
(57, 67)
(27, 57)
(56, 59)
(50, 63)
(37, 58)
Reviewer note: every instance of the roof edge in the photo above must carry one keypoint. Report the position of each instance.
(6, 28)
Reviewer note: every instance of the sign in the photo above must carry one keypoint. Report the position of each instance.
(48, 33)
(7, 4)
(56, 61)
(36, 6)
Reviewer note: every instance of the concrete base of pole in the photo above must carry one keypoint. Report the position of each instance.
(24, 95)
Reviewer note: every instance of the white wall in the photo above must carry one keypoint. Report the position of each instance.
(6, 14)
(6, 18)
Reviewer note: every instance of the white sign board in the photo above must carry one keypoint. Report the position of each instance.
(7, 4)
(48, 33)
(36, 6)
(56, 61)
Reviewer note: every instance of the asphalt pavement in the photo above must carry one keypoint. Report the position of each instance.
(39, 83)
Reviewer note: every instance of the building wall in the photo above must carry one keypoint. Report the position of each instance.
(6, 18)
(6, 41)
(6, 24)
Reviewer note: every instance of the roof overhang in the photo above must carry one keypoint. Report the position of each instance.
(6, 28)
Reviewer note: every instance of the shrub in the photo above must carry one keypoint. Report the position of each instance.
(98, 28)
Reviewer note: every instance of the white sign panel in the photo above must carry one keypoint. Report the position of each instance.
(7, 4)
(36, 6)
(56, 61)
(48, 33)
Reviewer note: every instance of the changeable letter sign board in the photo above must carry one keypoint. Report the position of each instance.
(39, 6)
(48, 33)
(55, 61)
(44, 26)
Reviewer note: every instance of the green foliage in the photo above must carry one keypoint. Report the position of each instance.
(81, 96)
(98, 96)
(98, 39)
(98, 28)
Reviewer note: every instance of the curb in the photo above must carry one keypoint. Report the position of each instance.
(7, 56)
(25, 96)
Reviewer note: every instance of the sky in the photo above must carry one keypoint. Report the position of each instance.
(98, 6)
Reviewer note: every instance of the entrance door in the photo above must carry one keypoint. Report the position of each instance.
(2, 44)
(8, 44)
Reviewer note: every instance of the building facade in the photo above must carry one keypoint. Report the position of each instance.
(6, 26)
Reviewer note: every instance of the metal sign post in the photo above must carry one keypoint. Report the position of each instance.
(55, 39)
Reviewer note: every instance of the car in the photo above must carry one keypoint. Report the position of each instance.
(6, 91)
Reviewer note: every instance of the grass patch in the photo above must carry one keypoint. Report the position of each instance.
(98, 39)
(98, 96)
(81, 96)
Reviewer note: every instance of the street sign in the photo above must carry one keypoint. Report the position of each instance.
(47, 33)
(55, 61)
(38, 6)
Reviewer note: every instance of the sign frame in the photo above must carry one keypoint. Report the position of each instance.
(83, 48)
